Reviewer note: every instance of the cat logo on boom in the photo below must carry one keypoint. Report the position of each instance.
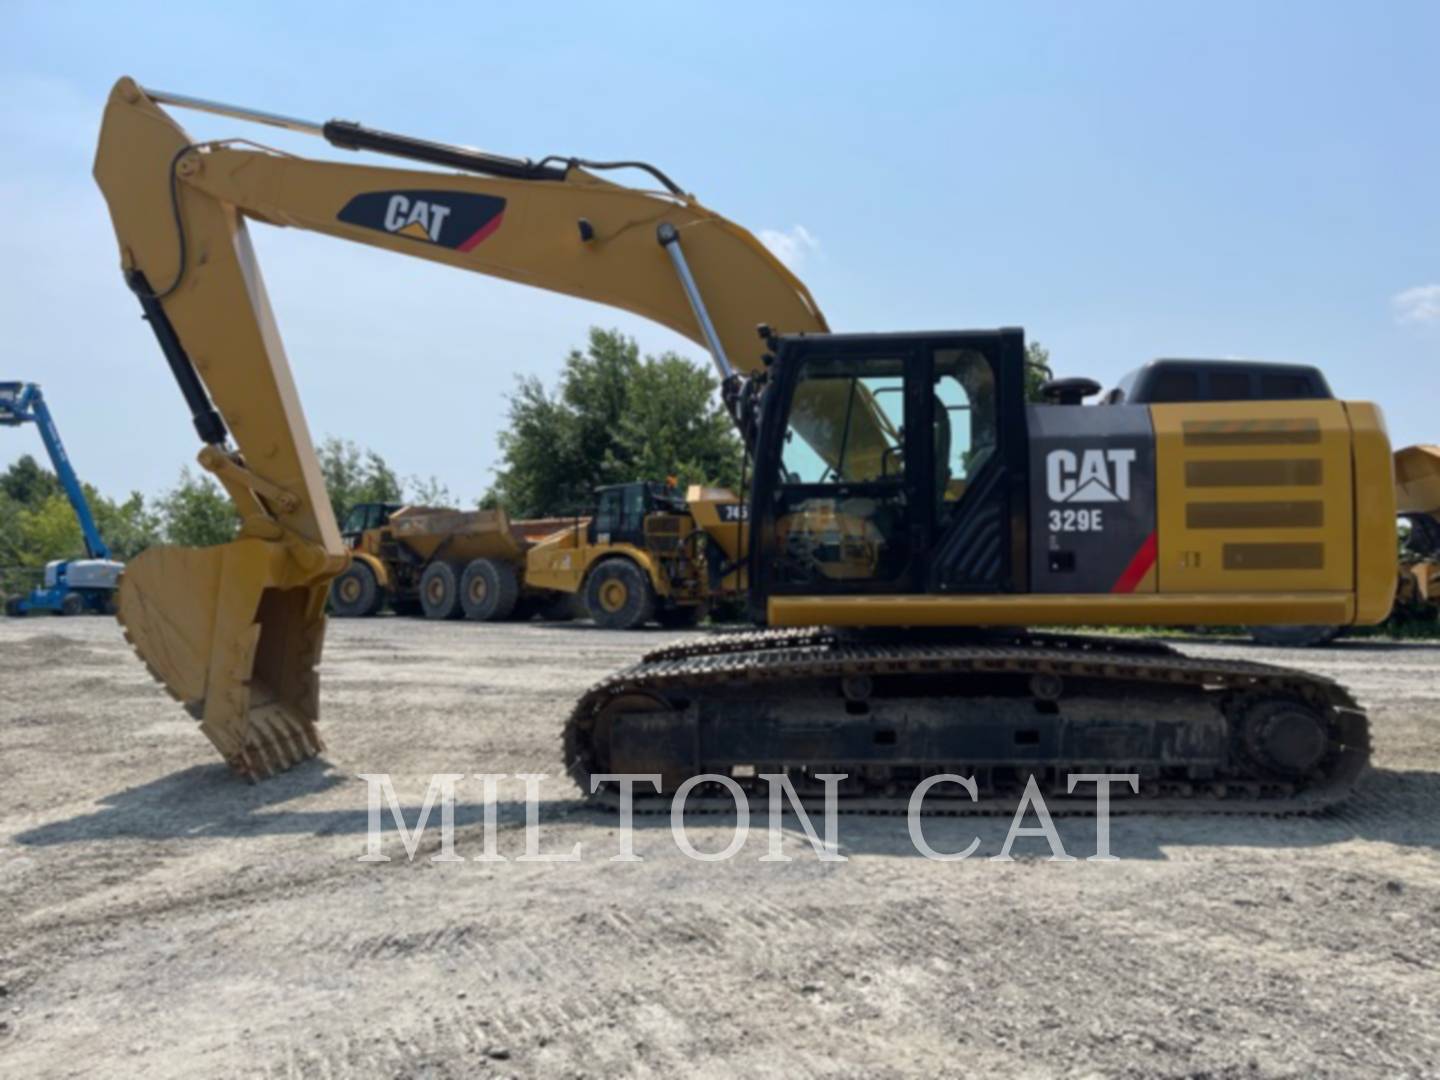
(1092, 476)
(415, 217)
(457, 220)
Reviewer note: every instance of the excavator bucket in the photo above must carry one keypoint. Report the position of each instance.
(1417, 480)
(234, 633)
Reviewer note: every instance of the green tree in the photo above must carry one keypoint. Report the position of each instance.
(38, 524)
(353, 475)
(427, 491)
(674, 426)
(196, 512)
(1037, 370)
(10, 542)
(49, 530)
(129, 527)
(596, 390)
(544, 470)
(27, 483)
(614, 417)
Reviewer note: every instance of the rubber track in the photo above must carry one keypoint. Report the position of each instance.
(686, 668)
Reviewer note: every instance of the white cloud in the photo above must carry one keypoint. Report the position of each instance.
(791, 246)
(1418, 305)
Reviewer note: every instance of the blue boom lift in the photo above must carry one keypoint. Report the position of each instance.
(71, 586)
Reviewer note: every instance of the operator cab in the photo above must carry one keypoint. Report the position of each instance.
(621, 510)
(910, 465)
(890, 464)
(365, 516)
(1175, 381)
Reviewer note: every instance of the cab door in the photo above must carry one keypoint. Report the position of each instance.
(973, 404)
(836, 488)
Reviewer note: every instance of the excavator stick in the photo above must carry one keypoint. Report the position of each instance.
(234, 632)
(235, 641)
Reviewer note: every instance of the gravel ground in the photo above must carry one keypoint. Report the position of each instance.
(162, 918)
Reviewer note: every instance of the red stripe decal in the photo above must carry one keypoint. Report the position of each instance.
(483, 233)
(1139, 566)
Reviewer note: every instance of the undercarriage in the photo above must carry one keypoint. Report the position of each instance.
(889, 708)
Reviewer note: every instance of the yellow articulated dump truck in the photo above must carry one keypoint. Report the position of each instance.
(439, 562)
(645, 555)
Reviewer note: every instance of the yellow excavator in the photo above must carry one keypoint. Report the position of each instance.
(908, 513)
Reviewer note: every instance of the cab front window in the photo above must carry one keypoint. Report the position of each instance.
(842, 491)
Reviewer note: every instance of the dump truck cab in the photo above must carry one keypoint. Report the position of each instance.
(621, 511)
(363, 517)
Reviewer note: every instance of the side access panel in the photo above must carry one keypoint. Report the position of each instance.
(1092, 499)
(1255, 497)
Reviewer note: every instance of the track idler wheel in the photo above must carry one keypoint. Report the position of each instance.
(643, 755)
(1286, 737)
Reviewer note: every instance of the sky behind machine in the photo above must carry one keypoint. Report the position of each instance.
(1221, 192)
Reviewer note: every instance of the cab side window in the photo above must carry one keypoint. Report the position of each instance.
(354, 521)
(965, 435)
(633, 519)
(607, 515)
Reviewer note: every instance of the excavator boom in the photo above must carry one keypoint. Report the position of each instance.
(235, 631)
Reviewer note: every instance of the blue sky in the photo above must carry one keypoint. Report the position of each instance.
(1124, 181)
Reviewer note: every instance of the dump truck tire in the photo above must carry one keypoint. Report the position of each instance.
(619, 596)
(1295, 637)
(440, 591)
(73, 604)
(489, 590)
(355, 593)
(678, 617)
